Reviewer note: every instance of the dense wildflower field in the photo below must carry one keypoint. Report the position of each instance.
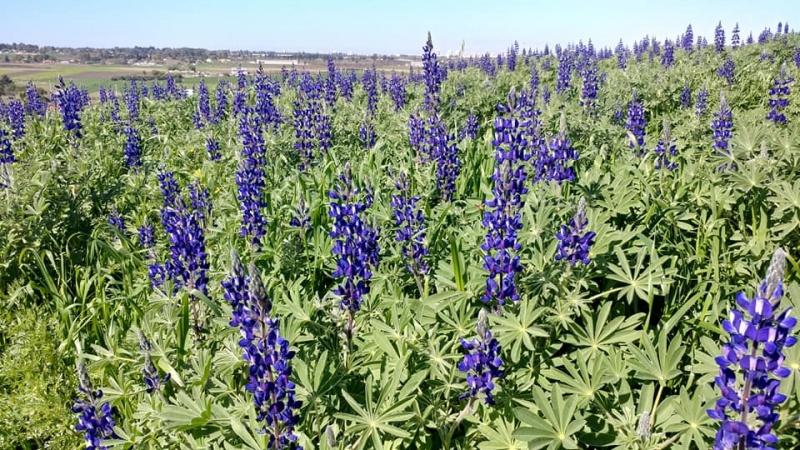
(551, 248)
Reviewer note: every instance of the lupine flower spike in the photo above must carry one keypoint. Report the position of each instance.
(97, 425)
(152, 380)
(748, 407)
(574, 242)
(482, 363)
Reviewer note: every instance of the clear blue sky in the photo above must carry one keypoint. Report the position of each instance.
(364, 26)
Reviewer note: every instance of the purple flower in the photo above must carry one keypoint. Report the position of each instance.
(132, 102)
(589, 93)
(502, 218)
(370, 83)
(355, 243)
(146, 234)
(35, 105)
(6, 159)
(416, 132)
(397, 90)
(622, 60)
(411, 228)
(152, 380)
(212, 146)
(748, 409)
(726, 71)
(574, 242)
(668, 58)
(251, 179)
(665, 150)
(636, 124)
(133, 147)
(203, 105)
(433, 79)
(553, 159)
(735, 41)
(470, 130)
(268, 354)
(722, 126)
(70, 103)
(719, 38)
(16, 118)
(686, 96)
(116, 220)
(702, 101)
(564, 73)
(482, 363)
(96, 425)
(688, 39)
(366, 133)
(221, 112)
(779, 97)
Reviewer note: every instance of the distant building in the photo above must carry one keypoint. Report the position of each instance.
(238, 70)
(277, 62)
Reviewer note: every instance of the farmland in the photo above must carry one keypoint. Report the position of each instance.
(567, 247)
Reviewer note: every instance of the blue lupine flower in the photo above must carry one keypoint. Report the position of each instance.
(366, 133)
(330, 84)
(301, 218)
(722, 126)
(251, 179)
(353, 244)
(726, 71)
(397, 89)
(589, 93)
(552, 162)
(16, 118)
(511, 60)
(719, 38)
(502, 218)
(212, 146)
(146, 234)
(534, 80)
(97, 426)
(370, 83)
(169, 188)
(617, 116)
(411, 228)
(116, 220)
(702, 101)
(133, 147)
(416, 132)
(269, 356)
(132, 102)
(636, 124)
(70, 103)
(622, 60)
(564, 73)
(779, 97)
(735, 41)
(221, 111)
(470, 130)
(203, 104)
(266, 91)
(152, 380)
(6, 159)
(574, 242)
(35, 105)
(688, 39)
(103, 95)
(668, 58)
(433, 80)
(440, 146)
(749, 408)
(665, 150)
(482, 363)
(188, 262)
(686, 96)
(114, 110)
(764, 36)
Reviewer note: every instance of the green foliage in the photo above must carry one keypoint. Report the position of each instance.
(617, 354)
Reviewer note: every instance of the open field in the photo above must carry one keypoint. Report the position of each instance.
(578, 249)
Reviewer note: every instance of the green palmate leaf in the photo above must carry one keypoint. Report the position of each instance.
(558, 426)
(640, 281)
(598, 333)
(694, 425)
(658, 363)
(499, 436)
(518, 330)
(584, 380)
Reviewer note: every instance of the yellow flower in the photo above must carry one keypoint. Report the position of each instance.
(197, 173)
